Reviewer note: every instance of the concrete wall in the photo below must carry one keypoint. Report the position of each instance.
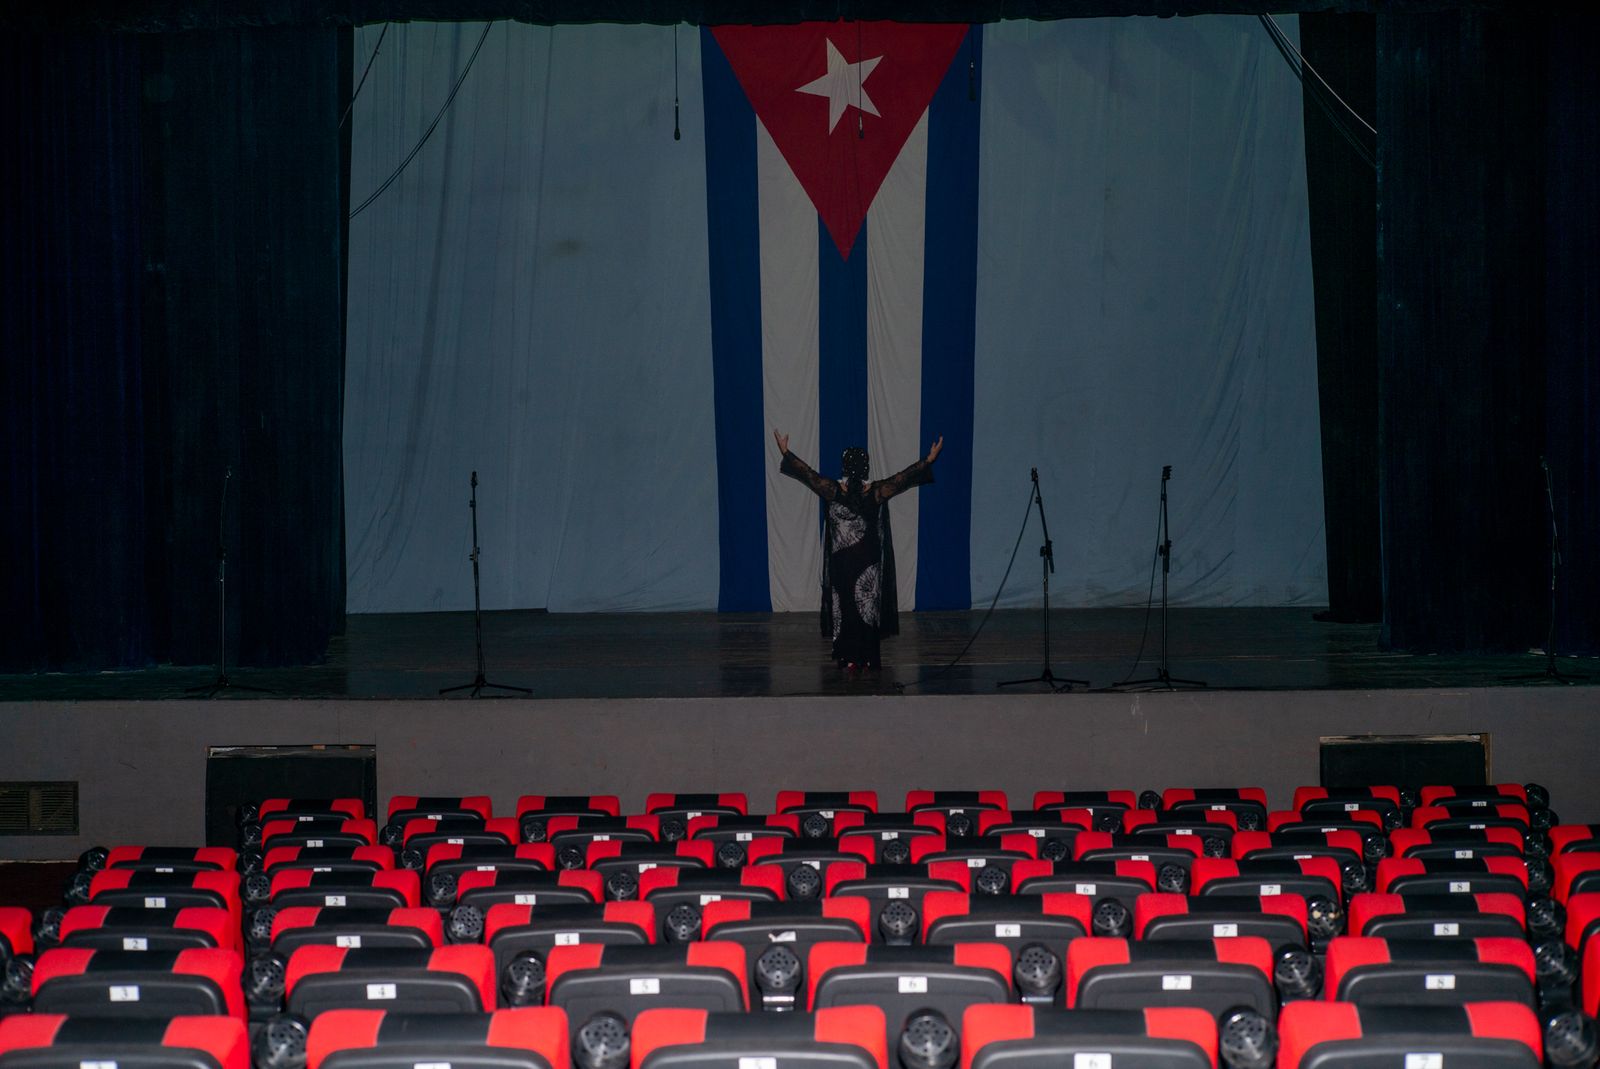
(141, 765)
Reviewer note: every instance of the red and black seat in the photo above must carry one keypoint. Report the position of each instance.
(1013, 921)
(55, 1041)
(1468, 916)
(1215, 828)
(880, 884)
(722, 828)
(1247, 804)
(1107, 806)
(524, 888)
(164, 890)
(535, 810)
(571, 829)
(685, 807)
(1061, 824)
(1313, 803)
(369, 889)
(826, 804)
(817, 854)
(1429, 972)
(1583, 919)
(1500, 815)
(404, 808)
(949, 802)
(1036, 1037)
(668, 888)
(346, 831)
(1121, 880)
(1459, 844)
(353, 929)
(1307, 877)
(16, 932)
(889, 827)
(844, 1037)
(1589, 976)
(1279, 919)
(626, 980)
(423, 834)
(535, 1037)
(328, 859)
(136, 928)
(1211, 974)
(1338, 1035)
(1161, 850)
(1360, 821)
(1574, 838)
(81, 982)
(1475, 796)
(452, 979)
(171, 858)
(902, 981)
(977, 852)
(1344, 846)
(760, 926)
(512, 931)
(609, 856)
(1449, 876)
(458, 860)
(311, 809)
(1575, 874)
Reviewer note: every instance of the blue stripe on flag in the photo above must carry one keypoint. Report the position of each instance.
(949, 312)
(735, 250)
(842, 351)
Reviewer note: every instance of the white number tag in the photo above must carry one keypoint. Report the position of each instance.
(1095, 1060)
(1224, 931)
(706, 900)
(1269, 890)
(1086, 888)
(913, 985)
(135, 942)
(888, 836)
(647, 986)
(313, 843)
(1425, 1061)
(1008, 931)
(1037, 833)
(525, 900)
(1460, 887)
(899, 892)
(380, 993)
(1439, 982)
(349, 942)
(1177, 982)
(333, 900)
(568, 939)
(976, 862)
(743, 836)
(1447, 929)
(123, 992)
(155, 903)
(1464, 855)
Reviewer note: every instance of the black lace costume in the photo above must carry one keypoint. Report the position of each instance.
(859, 604)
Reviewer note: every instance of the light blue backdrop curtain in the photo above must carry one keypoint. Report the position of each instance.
(530, 300)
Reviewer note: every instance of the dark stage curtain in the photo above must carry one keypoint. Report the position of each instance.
(1343, 194)
(1572, 265)
(1461, 341)
(171, 309)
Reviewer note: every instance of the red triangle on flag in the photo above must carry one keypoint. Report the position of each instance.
(840, 99)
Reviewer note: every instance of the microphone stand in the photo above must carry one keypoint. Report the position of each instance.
(479, 684)
(1551, 673)
(1162, 678)
(1047, 553)
(222, 682)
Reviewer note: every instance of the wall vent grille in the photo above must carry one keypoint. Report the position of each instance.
(39, 808)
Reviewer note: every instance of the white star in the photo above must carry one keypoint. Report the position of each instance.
(843, 85)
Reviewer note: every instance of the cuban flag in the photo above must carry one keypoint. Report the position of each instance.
(842, 184)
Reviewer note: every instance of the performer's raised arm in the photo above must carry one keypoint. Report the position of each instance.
(916, 475)
(796, 468)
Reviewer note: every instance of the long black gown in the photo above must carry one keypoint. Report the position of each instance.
(859, 604)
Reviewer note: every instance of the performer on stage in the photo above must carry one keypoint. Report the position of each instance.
(859, 605)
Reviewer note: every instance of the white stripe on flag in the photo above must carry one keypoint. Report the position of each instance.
(789, 374)
(895, 239)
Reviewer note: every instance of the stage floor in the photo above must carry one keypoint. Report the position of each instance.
(697, 655)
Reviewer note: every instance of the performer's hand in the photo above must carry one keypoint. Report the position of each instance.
(782, 440)
(933, 450)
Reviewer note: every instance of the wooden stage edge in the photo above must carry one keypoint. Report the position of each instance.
(141, 765)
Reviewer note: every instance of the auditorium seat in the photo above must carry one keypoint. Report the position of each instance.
(826, 804)
(1574, 838)
(1441, 818)
(1314, 802)
(1013, 921)
(1159, 850)
(1029, 1037)
(685, 807)
(817, 854)
(289, 929)
(1106, 806)
(572, 829)
(16, 932)
(668, 888)
(721, 828)
(1338, 1035)
(522, 888)
(511, 931)
(879, 884)
(161, 890)
(1583, 919)
(328, 859)
(404, 808)
(1441, 876)
(1465, 916)
(535, 1037)
(170, 858)
(948, 802)
(609, 856)
(1043, 824)
(1476, 796)
(1575, 874)
(1279, 919)
(1308, 877)
(137, 928)
(1345, 847)
(1460, 843)
(311, 809)
(452, 979)
(391, 889)
(1215, 828)
(423, 833)
(759, 926)
(843, 1037)
(83, 982)
(977, 852)
(348, 831)
(1363, 822)
(626, 980)
(1429, 972)
(1121, 880)
(1210, 974)
(54, 1041)
(535, 810)
(1247, 804)
(458, 860)
(888, 827)
(901, 981)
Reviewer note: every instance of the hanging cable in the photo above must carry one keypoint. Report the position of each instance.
(1026, 515)
(1320, 92)
(366, 71)
(677, 133)
(1149, 600)
(387, 182)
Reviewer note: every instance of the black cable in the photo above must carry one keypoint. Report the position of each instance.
(1149, 601)
(1318, 93)
(677, 133)
(364, 73)
(1026, 514)
(431, 126)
